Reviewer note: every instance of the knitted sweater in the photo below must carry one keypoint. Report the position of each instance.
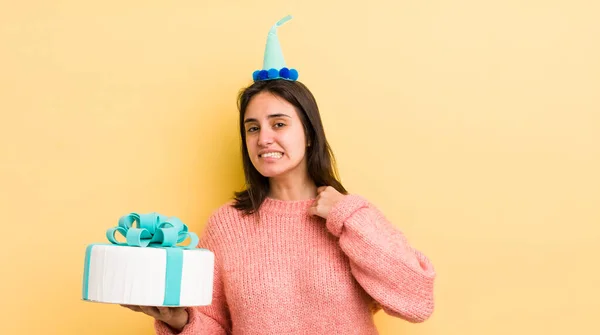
(293, 273)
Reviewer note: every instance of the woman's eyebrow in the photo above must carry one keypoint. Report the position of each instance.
(271, 116)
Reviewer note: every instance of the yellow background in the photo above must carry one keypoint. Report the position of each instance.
(474, 125)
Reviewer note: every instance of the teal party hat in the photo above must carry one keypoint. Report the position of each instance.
(274, 66)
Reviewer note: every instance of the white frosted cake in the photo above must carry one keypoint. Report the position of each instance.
(149, 269)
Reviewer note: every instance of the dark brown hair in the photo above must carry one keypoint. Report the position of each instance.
(319, 156)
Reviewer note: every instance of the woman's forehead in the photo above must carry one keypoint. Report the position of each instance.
(266, 106)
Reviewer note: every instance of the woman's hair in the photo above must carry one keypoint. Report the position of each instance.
(319, 156)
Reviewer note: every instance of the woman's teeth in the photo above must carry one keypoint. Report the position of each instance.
(272, 155)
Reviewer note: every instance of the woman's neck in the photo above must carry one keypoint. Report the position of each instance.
(292, 189)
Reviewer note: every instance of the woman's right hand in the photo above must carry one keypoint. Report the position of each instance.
(175, 317)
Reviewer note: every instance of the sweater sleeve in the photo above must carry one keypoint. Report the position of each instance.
(213, 319)
(398, 277)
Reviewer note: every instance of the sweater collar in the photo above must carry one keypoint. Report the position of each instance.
(291, 207)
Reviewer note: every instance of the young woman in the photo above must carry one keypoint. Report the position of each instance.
(295, 252)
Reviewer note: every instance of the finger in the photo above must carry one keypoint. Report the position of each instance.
(133, 308)
(315, 202)
(165, 312)
(321, 189)
(317, 210)
(152, 311)
(324, 199)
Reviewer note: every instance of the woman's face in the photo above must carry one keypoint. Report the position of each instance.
(274, 136)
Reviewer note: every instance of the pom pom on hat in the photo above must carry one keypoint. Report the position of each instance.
(293, 74)
(284, 73)
(263, 75)
(273, 73)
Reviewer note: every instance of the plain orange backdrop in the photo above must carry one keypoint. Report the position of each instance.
(474, 125)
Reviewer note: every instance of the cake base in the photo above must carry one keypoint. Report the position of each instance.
(150, 276)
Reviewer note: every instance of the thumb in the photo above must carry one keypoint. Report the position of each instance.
(312, 210)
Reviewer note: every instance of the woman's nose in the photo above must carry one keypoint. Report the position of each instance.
(265, 137)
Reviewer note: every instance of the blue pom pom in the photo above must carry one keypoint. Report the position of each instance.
(263, 74)
(284, 73)
(273, 73)
(255, 75)
(293, 74)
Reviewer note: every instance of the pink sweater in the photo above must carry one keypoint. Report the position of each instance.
(293, 273)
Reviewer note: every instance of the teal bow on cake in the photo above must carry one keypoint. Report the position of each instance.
(157, 231)
(153, 230)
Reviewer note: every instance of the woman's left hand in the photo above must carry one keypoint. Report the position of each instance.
(327, 197)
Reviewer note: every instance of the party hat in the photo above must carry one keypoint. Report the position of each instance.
(274, 66)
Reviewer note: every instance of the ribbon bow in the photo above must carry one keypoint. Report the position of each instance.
(153, 230)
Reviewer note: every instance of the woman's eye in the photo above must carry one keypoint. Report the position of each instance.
(252, 129)
(279, 125)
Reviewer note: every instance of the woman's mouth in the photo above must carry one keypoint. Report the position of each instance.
(274, 154)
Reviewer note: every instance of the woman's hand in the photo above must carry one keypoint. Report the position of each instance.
(327, 197)
(175, 317)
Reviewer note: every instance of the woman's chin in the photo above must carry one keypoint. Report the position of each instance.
(271, 173)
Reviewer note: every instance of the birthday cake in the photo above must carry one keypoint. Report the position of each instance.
(150, 268)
